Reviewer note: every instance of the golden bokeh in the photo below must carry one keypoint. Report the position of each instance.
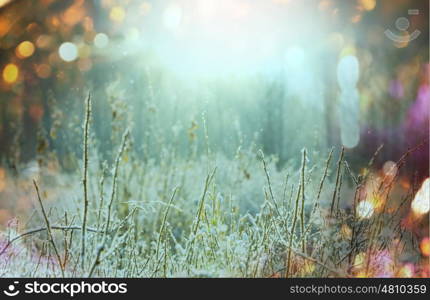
(4, 2)
(425, 247)
(368, 4)
(10, 73)
(5, 26)
(25, 49)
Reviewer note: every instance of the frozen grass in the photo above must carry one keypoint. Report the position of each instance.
(211, 216)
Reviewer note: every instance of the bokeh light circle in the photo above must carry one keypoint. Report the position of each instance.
(25, 49)
(10, 73)
(68, 51)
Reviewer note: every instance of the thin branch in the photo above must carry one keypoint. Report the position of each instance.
(293, 227)
(48, 227)
(85, 178)
(314, 261)
(163, 223)
(269, 183)
(40, 229)
(302, 212)
(339, 165)
(115, 175)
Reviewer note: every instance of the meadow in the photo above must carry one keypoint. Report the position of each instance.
(213, 216)
(214, 138)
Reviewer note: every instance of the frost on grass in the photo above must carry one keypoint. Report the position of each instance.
(210, 216)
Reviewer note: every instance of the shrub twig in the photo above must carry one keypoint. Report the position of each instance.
(85, 177)
(48, 228)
